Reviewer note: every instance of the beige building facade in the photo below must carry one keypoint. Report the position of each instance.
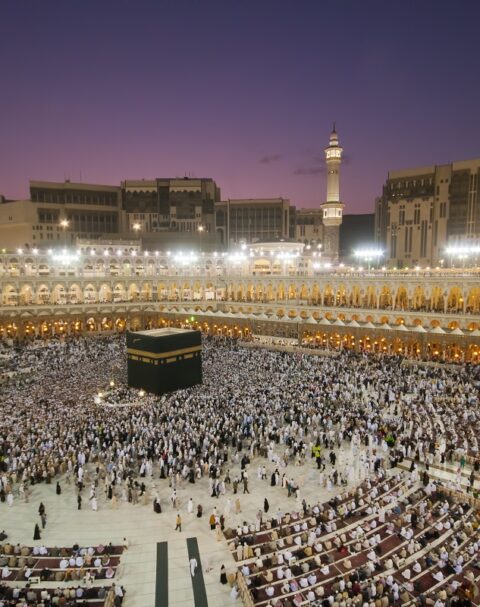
(280, 291)
(251, 220)
(423, 212)
(58, 213)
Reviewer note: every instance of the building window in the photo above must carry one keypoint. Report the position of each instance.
(393, 248)
(416, 214)
(423, 239)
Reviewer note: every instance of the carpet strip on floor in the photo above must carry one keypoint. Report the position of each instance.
(198, 583)
(161, 589)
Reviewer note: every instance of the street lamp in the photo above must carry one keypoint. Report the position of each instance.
(368, 255)
(136, 227)
(201, 229)
(64, 223)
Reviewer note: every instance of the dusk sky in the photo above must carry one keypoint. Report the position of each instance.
(241, 91)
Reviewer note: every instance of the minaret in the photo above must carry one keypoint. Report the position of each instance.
(332, 208)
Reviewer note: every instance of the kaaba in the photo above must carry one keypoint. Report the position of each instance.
(164, 360)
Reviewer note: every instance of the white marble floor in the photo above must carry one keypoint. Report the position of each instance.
(143, 528)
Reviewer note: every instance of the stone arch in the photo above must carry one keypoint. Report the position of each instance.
(26, 295)
(60, 327)
(437, 299)
(45, 328)
(281, 292)
(455, 299)
(120, 325)
(473, 301)
(370, 297)
(328, 295)
(147, 292)
(105, 293)
(75, 294)
(259, 293)
(385, 299)
(136, 323)
(43, 294)
(119, 293)
(91, 324)
(10, 295)
(162, 291)
(401, 299)
(76, 326)
(315, 294)
(419, 300)
(341, 296)
(356, 296)
(106, 324)
(199, 292)
(292, 291)
(133, 292)
(90, 293)
(29, 328)
(59, 294)
(304, 292)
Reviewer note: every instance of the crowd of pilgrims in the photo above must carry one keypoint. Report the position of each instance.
(251, 403)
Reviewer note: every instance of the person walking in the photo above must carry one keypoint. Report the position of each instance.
(178, 522)
(223, 575)
(193, 566)
(266, 506)
(43, 518)
(36, 532)
(79, 502)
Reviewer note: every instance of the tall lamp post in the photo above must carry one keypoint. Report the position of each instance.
(201, 230)
(64, 223)
(369, 255)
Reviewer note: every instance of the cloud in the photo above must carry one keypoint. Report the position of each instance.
(309, 170)
(316, 165)
(268, 158)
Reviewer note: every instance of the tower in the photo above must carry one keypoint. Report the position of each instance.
(332, 208)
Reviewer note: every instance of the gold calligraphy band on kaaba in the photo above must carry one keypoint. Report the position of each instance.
(164, 354)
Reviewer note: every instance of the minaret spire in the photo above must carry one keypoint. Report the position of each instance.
(332, 208)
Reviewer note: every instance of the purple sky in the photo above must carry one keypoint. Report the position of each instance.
(243, 91)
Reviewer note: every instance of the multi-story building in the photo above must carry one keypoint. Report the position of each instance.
(61, 213)
(268, 289)
(309, 226)
(177, 205)
(253, 220)
(58, 213)
(423, 211)
(168, 211)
